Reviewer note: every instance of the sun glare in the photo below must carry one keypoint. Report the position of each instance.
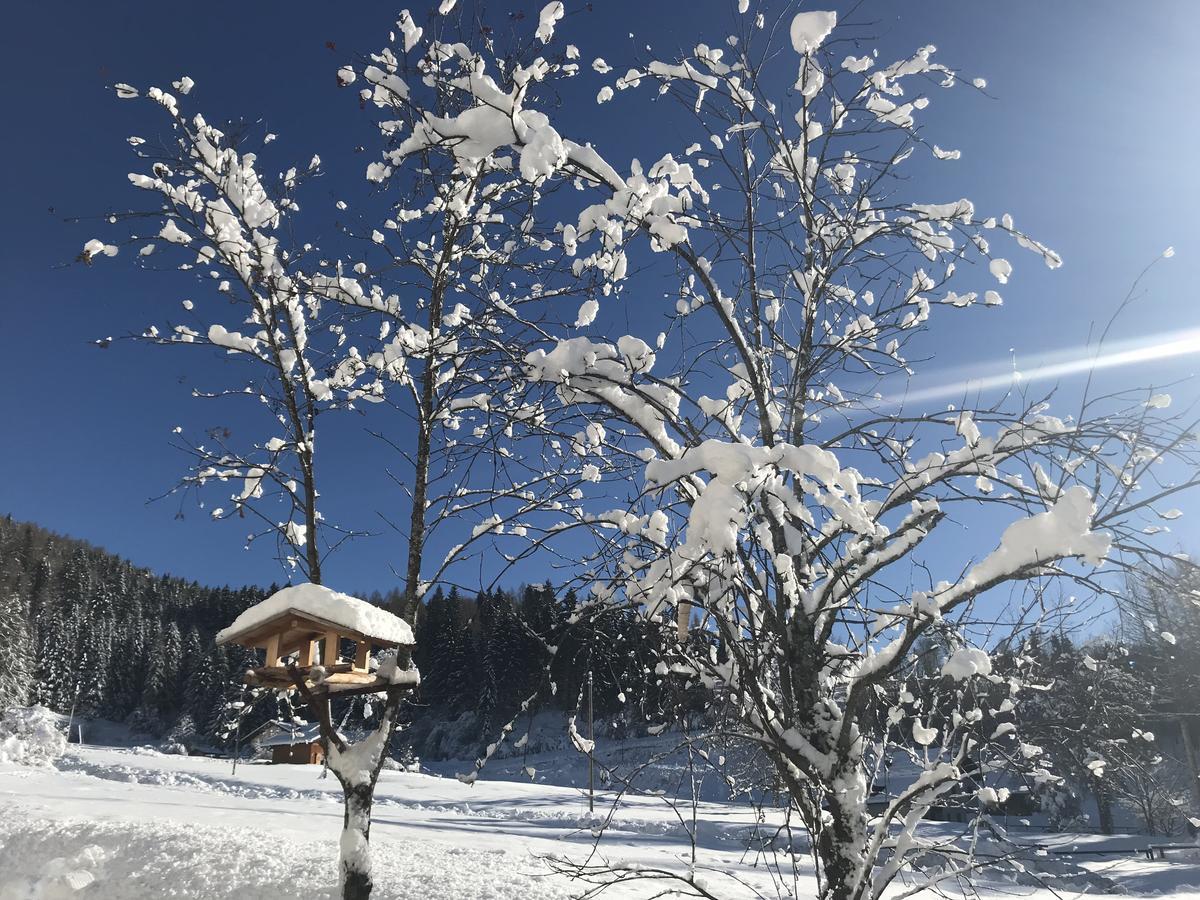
(1064, 364)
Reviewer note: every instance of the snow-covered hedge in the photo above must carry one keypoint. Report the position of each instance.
(31, 735)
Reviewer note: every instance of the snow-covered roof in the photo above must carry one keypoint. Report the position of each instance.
(290, 735)
(319, 602)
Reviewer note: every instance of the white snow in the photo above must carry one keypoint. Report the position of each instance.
(1001, 269)
(1062, 531)
(922, 735)
(137, 825)
(549, 17)
(809, 29)
(329, 606)
(31, 735)
(411, 30)
(171, 232)
(967, 661)
(231, 340)
(587, 313)
(296, 533)
(94, 248)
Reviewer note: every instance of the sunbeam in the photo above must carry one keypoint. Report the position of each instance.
(1063, 364)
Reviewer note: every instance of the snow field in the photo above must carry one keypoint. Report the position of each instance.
(48, 859)
(128, 824)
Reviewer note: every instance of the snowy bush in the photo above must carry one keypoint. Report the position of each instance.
(31, 735)
(182, 737)
(409, 764)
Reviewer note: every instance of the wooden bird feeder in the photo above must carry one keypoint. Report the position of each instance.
(302, 630)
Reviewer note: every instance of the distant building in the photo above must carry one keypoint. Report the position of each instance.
(294, 744)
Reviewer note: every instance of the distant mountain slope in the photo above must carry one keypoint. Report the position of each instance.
(112, 639)
(83, 629)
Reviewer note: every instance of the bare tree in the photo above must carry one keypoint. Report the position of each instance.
(463, 271)
(792, 496)
(217, 220)
(758, 465)
(425, 309)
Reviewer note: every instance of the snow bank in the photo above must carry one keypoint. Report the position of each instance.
(31, 736)
(60, 877)
(182, 827)
(42, 858)
(328, 605)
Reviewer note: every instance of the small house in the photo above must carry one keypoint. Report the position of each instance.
(295, 744)
(322, 636)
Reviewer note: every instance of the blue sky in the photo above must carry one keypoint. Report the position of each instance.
(1087, 137)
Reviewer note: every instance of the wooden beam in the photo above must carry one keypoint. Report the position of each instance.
(362, 651)
(332, 640)
(273, 650)
(308, 652)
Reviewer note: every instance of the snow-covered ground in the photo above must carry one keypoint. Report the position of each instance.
(126, 824)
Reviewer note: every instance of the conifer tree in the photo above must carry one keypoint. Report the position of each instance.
(15, 652)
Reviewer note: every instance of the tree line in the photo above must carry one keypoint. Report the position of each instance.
(89, 632)
(1109, 716)
(83, 630)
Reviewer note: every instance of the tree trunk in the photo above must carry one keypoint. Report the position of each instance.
(359, 796)
(357, 776)
(312, 551)
(1103, 807)
(1191, 759)
(841, 844)
(355, 857)
(840, 849)
(416, 523)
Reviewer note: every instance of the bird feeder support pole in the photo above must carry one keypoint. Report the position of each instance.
(592, 750)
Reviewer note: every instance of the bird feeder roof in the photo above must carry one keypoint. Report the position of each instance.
(348, 616)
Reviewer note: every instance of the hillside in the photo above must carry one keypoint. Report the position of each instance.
(90, 631)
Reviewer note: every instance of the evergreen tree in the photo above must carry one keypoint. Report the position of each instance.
(16, 651)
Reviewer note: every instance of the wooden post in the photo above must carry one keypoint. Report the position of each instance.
(362, 651)
(592, 739)
(683, 615)
(332, 640)
(308, 653)
(1193, 770)
(273, 650)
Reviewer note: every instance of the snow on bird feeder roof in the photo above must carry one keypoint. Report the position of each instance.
(350, 616)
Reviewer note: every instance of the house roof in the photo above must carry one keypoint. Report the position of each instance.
(290, 735)
(347, 615)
